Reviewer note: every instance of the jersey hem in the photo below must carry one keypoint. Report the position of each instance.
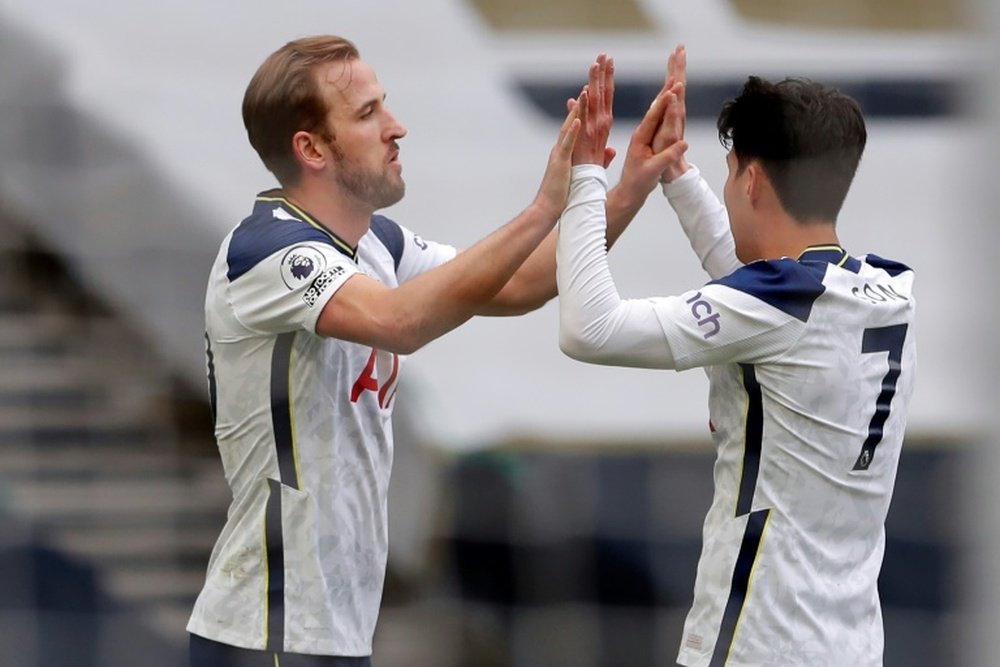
(258, 643)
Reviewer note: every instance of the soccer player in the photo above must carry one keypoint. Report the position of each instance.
(312, 305)
(810, 356)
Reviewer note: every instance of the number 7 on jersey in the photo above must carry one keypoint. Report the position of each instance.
(881, 339)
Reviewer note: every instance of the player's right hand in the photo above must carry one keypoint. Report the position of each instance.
(554, 190)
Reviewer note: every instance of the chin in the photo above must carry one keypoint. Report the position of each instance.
(392, 196)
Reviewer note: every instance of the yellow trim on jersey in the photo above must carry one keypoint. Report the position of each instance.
(267, 578)
(746, 595)
(822, 247)
(277, 663)
(844, 256)
(308, 219)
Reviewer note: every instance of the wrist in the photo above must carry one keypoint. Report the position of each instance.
(544, 211)
(674, 171)
(624, 199)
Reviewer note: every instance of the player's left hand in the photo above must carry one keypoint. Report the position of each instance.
(643, 166)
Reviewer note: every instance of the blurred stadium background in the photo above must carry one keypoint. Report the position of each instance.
(543, 512)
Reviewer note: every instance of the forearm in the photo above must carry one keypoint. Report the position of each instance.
(590, 116)
(705, 222)
(595, 323)
(469, 283)
(534, 283)
(621, 208)
(407, 317)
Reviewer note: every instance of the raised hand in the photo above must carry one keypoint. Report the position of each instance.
(674, 122)
(656, 148)
(595, 110)
(554, 190)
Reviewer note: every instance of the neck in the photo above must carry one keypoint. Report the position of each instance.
(796, 237)
(341, 215)
(780, 235)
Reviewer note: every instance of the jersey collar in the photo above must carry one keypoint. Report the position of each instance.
(280, 197)
(829, 254)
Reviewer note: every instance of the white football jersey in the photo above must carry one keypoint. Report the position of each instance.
(811, 363)
(304, 432)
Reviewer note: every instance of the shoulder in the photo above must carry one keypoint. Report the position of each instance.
(266, 231)
(892, 267)
(389, 235)
(785, 284)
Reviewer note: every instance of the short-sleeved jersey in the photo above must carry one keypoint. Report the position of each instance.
(811, 364)
(304, 432)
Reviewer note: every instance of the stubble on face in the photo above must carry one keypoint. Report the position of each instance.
(380, 188)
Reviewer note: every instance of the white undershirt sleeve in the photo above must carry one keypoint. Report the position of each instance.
(595, 323)
(705, 222)
(714, 324)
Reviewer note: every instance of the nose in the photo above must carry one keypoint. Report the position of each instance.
(395, 129)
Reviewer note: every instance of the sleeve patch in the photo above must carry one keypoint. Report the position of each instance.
(256, 239)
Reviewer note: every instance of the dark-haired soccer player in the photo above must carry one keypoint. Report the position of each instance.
(810, 356)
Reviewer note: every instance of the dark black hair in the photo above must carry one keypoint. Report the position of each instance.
(808, 138)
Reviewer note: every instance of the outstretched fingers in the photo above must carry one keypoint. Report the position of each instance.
(647, 127)
(666, 115)
(570, 128)
(552, 193)
(601, 81)
(594, 108)
(676, 67)
(609, 86)
(675, 115)
(674, 119)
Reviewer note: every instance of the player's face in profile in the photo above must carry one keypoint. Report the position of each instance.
(364, 134)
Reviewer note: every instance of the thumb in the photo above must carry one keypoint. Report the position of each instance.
(569, 139)
(671, 153)
(650, 122)
(609, 156)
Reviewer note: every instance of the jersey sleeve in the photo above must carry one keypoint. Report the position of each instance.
(705, 222)
(754, 314)
(720, 323)
(417, 255)
(287, 289)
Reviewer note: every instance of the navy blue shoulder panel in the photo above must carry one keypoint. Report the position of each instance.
(259, 237)
(391, 236)
(783, 283)
(852, 264)
(891, 267)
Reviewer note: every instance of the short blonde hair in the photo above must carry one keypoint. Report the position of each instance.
(283, 97)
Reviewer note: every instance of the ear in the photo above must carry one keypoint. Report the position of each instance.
(310, 151)
(755, 183)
